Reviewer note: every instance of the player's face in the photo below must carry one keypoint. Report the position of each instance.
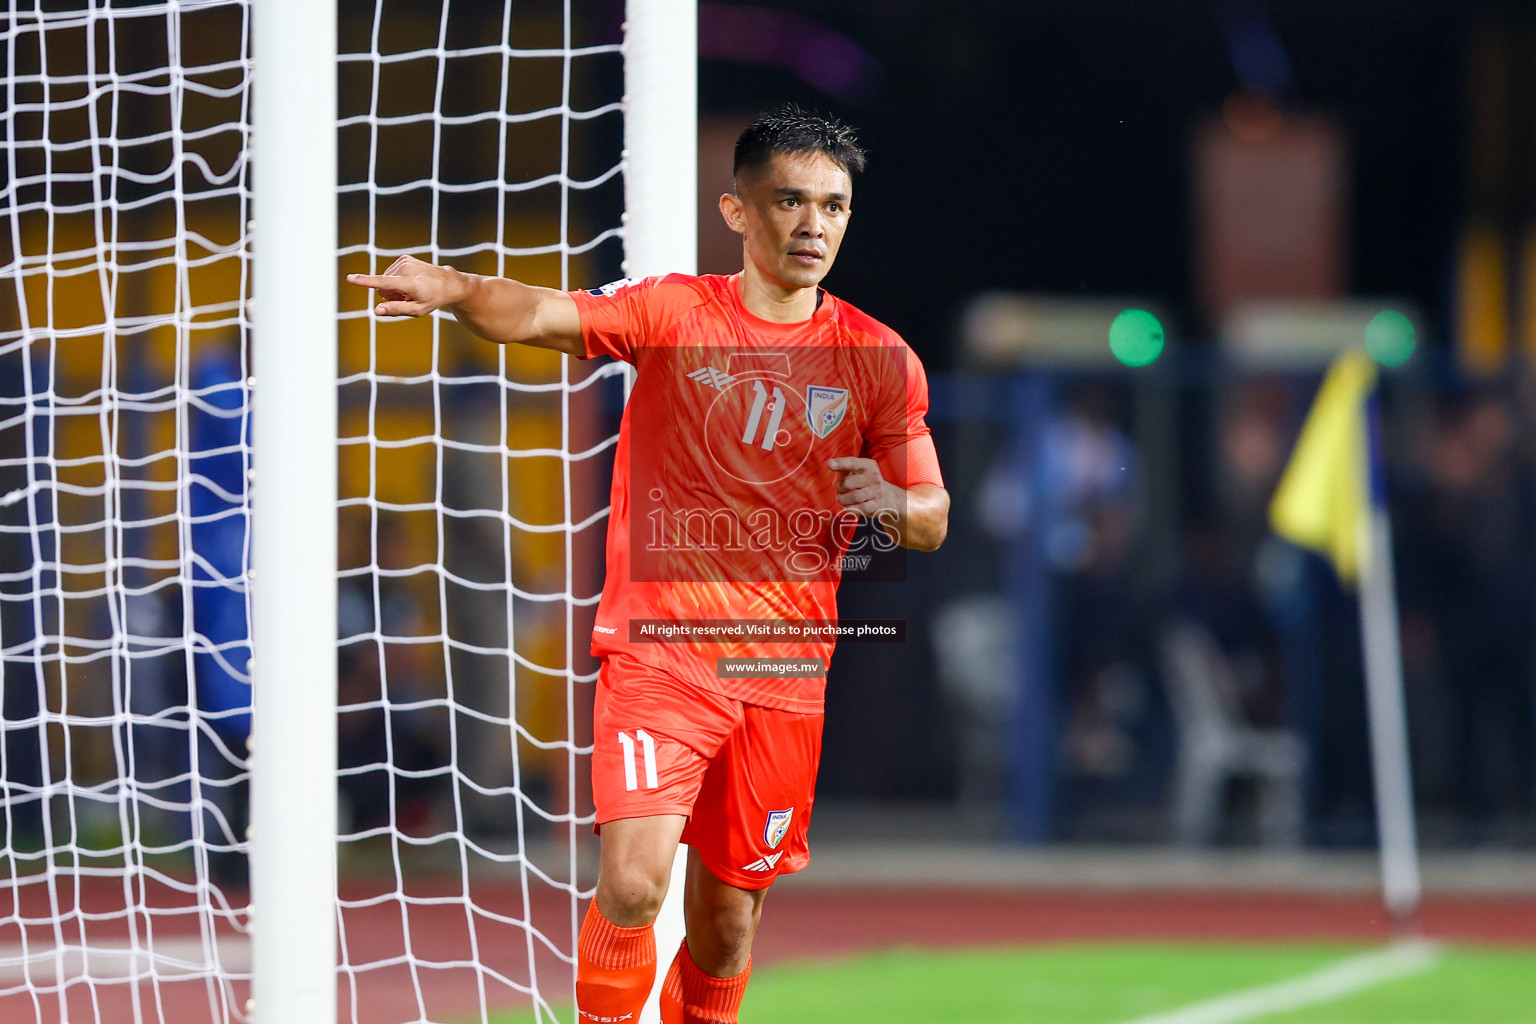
(792, 216)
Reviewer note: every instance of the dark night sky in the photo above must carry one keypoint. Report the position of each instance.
(1042, 144)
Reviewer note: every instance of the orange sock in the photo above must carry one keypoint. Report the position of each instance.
(689, 996)
(615, 968)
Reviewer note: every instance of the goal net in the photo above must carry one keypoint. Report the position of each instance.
(123, 511)
(472, 507)
(473, 483)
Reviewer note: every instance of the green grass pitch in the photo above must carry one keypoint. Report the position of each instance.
(1117, 984)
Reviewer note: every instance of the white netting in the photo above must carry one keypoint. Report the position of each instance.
(472, 512)
(474, 494)
(123, 456)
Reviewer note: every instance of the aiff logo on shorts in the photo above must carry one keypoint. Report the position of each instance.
(777, 827)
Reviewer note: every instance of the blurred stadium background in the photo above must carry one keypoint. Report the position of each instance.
(1250, 172)
(1263, 175)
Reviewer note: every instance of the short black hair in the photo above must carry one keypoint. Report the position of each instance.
(790, 129)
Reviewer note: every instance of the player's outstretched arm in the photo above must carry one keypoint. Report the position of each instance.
(915, 517)
(495, 308)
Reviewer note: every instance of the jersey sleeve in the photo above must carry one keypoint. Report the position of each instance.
(622, 318)
(898, 437)
(615, 318)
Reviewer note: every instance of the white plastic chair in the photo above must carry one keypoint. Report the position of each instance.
(1217, 743)
(975, 640)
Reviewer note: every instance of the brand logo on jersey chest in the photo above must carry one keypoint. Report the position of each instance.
(712, 378)
(825, 408)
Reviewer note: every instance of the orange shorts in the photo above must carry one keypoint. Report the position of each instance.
(744, 775)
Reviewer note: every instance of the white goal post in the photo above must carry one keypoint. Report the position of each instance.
(293, 819)
(661, 185)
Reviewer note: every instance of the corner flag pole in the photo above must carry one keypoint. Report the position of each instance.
(1379, 634)
(1332, 499)
(661, 197)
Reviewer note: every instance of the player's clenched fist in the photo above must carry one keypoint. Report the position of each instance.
(412, 287)
(862, 487)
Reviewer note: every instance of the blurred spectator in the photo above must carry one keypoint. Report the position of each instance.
(1464, 547)
(1081, 501)
(1218, 591)
(382, 744)
(1228, 555)
(1087, 483)
(1252, 449)
(1220, 608)
(1089, 518)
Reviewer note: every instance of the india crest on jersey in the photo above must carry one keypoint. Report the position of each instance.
(777, 827)
(825, 408)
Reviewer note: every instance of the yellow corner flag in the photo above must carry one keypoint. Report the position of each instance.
(1325, 491)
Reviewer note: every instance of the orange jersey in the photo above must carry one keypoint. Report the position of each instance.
(724, 515)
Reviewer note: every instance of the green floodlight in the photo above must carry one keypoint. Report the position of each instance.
(1390, 338)
(1136, 338)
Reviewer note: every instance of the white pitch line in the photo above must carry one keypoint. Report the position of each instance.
(1325, 986)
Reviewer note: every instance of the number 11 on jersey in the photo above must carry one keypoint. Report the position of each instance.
(760, 399)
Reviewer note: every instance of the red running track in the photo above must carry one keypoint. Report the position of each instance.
(799, 923)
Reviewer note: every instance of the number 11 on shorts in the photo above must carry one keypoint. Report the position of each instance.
(647, 750)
